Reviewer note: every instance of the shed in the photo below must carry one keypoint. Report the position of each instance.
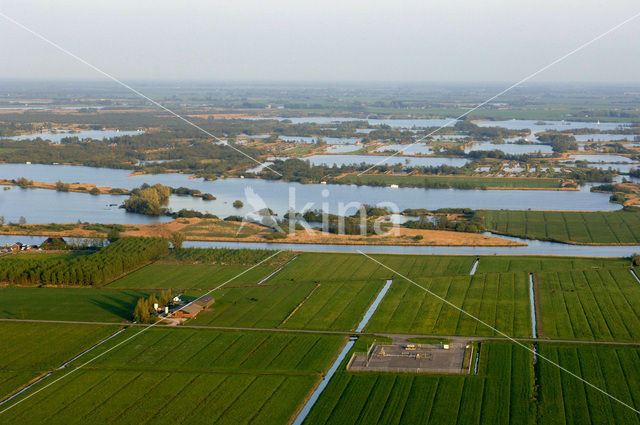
(205, 301)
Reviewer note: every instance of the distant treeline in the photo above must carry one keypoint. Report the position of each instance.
(98, 268)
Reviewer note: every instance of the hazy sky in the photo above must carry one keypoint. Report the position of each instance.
(443, 40)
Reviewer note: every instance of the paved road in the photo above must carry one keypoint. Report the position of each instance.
(398, 337)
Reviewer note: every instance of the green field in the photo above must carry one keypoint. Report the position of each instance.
(82, 304)
(184, 277)
(620, 227)
(500, 300)
(32, 349)
(188, 376)
(563, 399)
(330, 306)
(463, 182)
(504, 391)
(262, 306)
(501, 393)
(495, 264)
(323, 268)
(600, 304)
(335, 306)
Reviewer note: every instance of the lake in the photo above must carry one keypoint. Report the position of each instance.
(609, 159)
(50, 206)
(407, 123)
(417, 148)
(82, 134)
(331, 160)
(46, 206)
(509, 148)
(597, 137)
(342, 148)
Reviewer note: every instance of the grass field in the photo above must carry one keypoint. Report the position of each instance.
(500, 394)
(620, 227)
(464, 182)
(565, 400)
(335, 306)
(495, 264)
(82, 304)
(500, 300)
(184, 277)
(331, 306)
(601, 304)
(318, 267)
(31, 349)
(262, 306)
(189, 376)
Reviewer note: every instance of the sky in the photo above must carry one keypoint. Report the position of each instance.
(328, 40)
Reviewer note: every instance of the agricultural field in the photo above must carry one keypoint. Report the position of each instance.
(190, 376)
(501, 264)
(500, 300)
(81, 304)
(189, 277)
(598, 304)
(620, 227)
(31, 349)
(334, 306)
(563, 399)
(264, 306)
(325, 306)
(501, 393)
(186, 374)
(325, 268)
(462, 182)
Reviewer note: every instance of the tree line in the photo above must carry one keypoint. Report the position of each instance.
(98, 268)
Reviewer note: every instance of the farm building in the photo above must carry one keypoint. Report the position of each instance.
(195, 307)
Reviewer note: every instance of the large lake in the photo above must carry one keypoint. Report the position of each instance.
(331, 160)
(57, 136)
(45, 206)
(534, 125)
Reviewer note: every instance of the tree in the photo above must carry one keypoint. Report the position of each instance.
(149, 200)
(238, 204)
(22, 220)
(113, 235)
(94, 191)
(141, 313)
(152, 300)
(62, 187)
(165, 297)
(177, 238)
(2, 221)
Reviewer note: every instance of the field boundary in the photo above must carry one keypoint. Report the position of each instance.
(299, 305)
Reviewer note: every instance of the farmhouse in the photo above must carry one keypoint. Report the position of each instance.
(195, 307)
